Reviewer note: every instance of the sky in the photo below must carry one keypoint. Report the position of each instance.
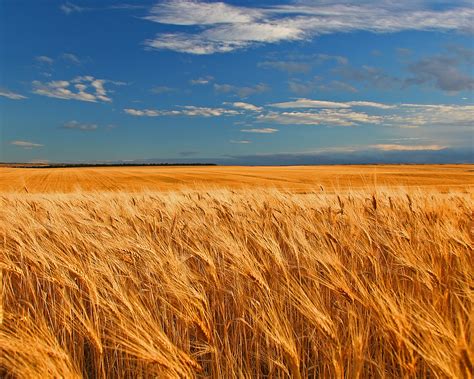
(237, 82)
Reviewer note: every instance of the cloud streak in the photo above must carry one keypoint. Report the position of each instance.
(188, 110)
(406, 116)
(75, 125)
(331, 113)
(242, 92)
(260, 130)
(241, 142)
(221, 27)
(398, 147)
(11, 95)
(246, 106)
(328, 117)
(26, 144)
(201, 81)
(307, 103)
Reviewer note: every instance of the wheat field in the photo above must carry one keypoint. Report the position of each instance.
(250, 283)
(294, 178)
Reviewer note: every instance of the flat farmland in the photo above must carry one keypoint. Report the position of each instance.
(295, 178)
(208, 272)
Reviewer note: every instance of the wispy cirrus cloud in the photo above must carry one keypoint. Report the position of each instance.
(433, 115)
(4, 92)
(188, 110)
(158, 90)
(71, 58)
(260, 130)
(303, 87)
(399, 147)
(26, 144)
(331, 113)
(405, 115)
(202, 80)
(291, 67)
(301, 63)
(241, 91)
(308, 103)
(184, 12)
(43, 59)
(82, 88)
(70, 8)
(337, 85)
(327, 117)
(221, 27)
(370, 104)
(242, 142)
(75, 125)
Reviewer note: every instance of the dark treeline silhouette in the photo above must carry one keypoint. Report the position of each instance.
(71, 165)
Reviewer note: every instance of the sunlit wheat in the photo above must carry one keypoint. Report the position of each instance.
(247, 283)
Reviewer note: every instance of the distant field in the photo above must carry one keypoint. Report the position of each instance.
(297, 178)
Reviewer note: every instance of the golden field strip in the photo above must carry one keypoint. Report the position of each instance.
(298, 178)
(232, 272)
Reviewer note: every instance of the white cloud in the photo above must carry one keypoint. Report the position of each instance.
(396, 147)
(242, 92)
(26, 144)
(184, 12)
(44, 59)
(418, 115)
(224, 27)
(140, 113)
(207, 112)
(329, 117)
(75, 89)
(78, 126)
(394, 115)
(260, 131)
(71, 58)
(244, 142)
(158, 90)
(370, 104)
(69, 8)
(100, 91)
(201, 81)
(246, 106)
(11, 95)
(189, 110)
(188, 43)
(245, 34)
(288, 66)
(307, 103)
(336, 85)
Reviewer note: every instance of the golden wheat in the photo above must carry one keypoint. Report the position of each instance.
(243, 283)
(295, 178)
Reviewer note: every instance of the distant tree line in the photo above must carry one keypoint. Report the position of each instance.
(68, 165)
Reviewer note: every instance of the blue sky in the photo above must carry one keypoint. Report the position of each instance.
(236, 82)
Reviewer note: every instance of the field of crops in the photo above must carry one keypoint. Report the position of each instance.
(297, 178)
(362, 282)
